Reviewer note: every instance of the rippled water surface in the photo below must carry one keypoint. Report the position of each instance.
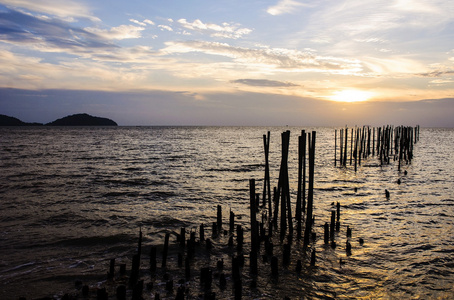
(73, 198)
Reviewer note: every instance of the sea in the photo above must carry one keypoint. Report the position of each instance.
(73, 198)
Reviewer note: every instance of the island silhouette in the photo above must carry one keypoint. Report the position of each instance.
(71, 120)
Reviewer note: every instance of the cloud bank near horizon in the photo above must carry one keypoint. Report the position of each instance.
(162, 108)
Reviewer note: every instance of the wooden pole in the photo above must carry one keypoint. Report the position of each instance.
(267, 184)
(373, 142)
(232, 221)
(310, 196)
(166, 250)
(356, 149)
(303, 196)
(351, 147)
(153, 259)
(139, 244)
(341, 147)
(335, 147)
(274, 267)
(219, 217)
(326, 233)
(276, 206)
(299, 191)
(287, 187)
(345, 150)
(253, 215)
(182, 237)
(111, 273)
(332, 225)
(283, 186)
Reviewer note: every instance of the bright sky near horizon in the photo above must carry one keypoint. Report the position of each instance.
(229, 62)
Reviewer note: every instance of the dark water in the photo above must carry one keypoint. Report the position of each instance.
(73, 198)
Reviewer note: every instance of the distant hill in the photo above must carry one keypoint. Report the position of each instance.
(82, 120)
(11, 121)
(73, 120)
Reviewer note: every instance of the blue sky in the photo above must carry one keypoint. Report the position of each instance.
(228, 62)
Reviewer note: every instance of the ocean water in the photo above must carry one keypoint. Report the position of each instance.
(73, 198)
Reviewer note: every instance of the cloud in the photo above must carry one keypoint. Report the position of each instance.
(440, 82)
(393, 65)
(165, 27)
(226, 30)
(142, 23)
(48, 35)
(264, 83)
(33, 72)
(272, 59)
(118, 33)
(284, 7)
(436, 73)
(55, 35)
(67, 9)
(364, 19)
(138, 22)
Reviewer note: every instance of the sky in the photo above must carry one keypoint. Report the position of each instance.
(229, 62)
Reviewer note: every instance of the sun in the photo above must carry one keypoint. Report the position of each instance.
(350, 96)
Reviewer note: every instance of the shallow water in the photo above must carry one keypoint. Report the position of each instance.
(73, 198)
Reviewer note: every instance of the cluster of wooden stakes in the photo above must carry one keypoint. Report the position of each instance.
(219, 279)
(386, 142)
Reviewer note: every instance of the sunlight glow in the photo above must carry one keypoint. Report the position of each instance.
(351, 96)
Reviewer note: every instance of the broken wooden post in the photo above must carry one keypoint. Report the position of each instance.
(239, 238)
(166, 250)
(232, 221)
(332, 225)
(286, 255)
(326, 233)
(182, 237)
(214, 230)
(111, 273)
(153, 259)
(202, 232)
(313, 258)
(253, 262)
(134, 270)
(274, 267)
(139, 244)
(219, 217)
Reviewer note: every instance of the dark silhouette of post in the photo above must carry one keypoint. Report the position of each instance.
(283, 187)
(300, 198)
(310, 195)
(254, 238)
(267, 184)
(335, 147)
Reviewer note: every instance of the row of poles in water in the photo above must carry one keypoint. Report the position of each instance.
(270, 208)
(386, 142)
(281, 195)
